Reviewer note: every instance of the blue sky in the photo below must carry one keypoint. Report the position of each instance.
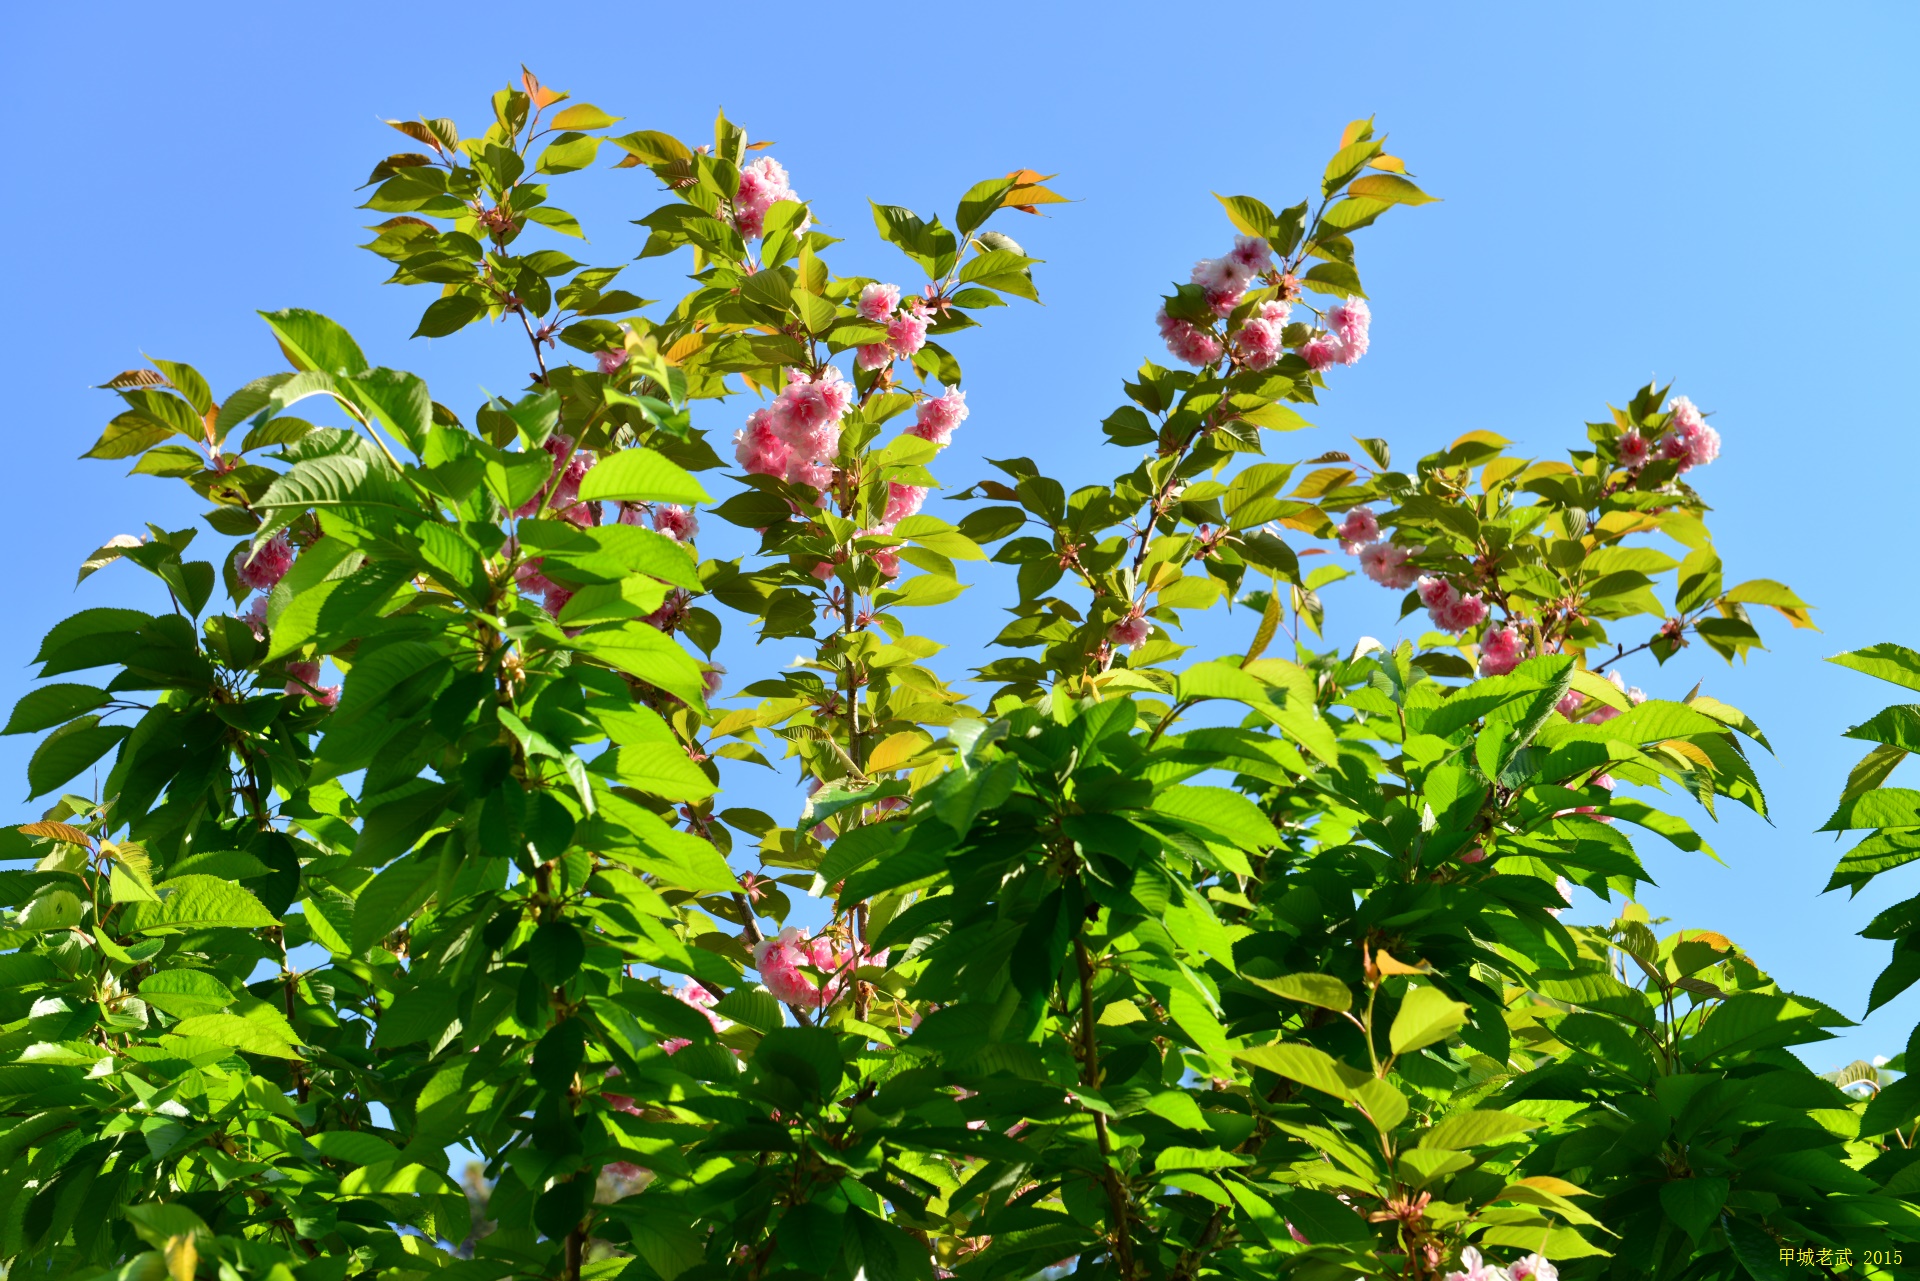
(1717, 194)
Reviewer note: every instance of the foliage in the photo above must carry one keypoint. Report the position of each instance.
(1146, 967)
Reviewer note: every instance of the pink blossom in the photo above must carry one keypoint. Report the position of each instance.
(1500, 651)
(886, 560)
(1689, 441)
(1322, 351)
(779, 960)
(1251, 254)
(1296, 1234)
(1353, 348)
(556, 599)
(1258, 344)
(1132, 630)
(1349, 319)
(1223, 301)
(1386, 564)
(872, 355)
(672, 612)
(710, 680)
(936, 419)
(814, 475)
(1276, 311)
(638, 515)
(328, 696)
(1703, 446)
(1634, 450)
(1449, 610)
(303, 678)
(610, 361)
(255, 617)
(907, 332)
(1220, 275)
(822, 570)
(265, 566)
(532, 582)
(1569, 703)
(1474, 855)
(1188, 342)
(1358, 529)
(758, 448)
(1684, 416)
(903, 501)
(676, 522)
(1532, 1268)
(763, 184)
(878, 301)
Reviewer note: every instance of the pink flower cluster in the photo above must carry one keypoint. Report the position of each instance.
(1601, 713)
(1533, 1267)
(798, 436)
(783, 959)
(1501, 650)
(267, 565)
(610, 362)
(906, 326)
(763, 184)
(1385, 563)
(303, 680)
(1226, 278)
(672, 613)
(1131, 630)
(570, 467)
(1689, 441)
(676, 522)
(1358, 529)
(1259, 343)
(1449, 610)
(532, 582)
(936, 419)
(1345, 339)
(1187, 341)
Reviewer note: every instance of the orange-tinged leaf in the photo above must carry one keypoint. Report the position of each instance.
(761, 146)
(1357, 131)
(1388, 188)
(1480, 438)
(685, 347)
(539, 93)
(134, 378)
(1388, 164)
(59, 832)
(1386, 963)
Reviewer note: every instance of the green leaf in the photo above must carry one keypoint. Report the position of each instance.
(1307, 1065)
(1388, 187)
(1323, 990)
(207, 902)
(1426, 1015)
(354, 1147)
(391, 899)
(639, 475)
(399, 400)
(1694, 1203)
(1476, 1129)
(449, 315)
(253, 1036)
(185, 993)
(69, 750)
(1251, 217)
(661, 768)
(1889, 662)
(311, 341)
(641, 650)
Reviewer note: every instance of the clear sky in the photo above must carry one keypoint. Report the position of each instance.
(1718, 194)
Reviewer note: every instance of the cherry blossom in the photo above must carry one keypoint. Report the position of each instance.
(936, 419)
(877, 302)
(1386, 564)
(1501, 650)
(266, 565)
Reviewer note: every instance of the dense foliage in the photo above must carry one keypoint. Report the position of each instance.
(1143, 965)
